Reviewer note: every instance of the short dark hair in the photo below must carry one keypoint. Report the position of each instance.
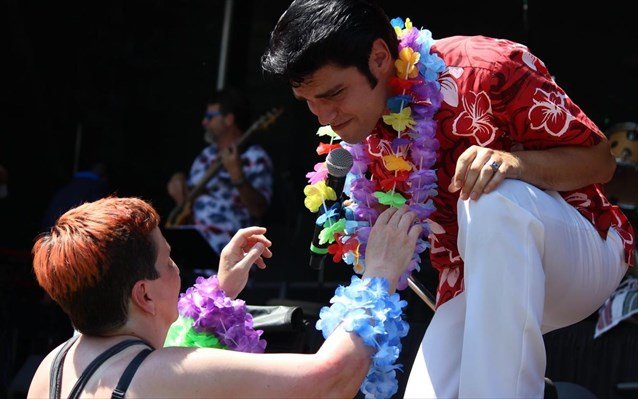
(313, 33)
(233, 101)
(91, 259)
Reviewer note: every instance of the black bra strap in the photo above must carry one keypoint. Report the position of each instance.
(55, 376)
(125, 380)
(97, 362)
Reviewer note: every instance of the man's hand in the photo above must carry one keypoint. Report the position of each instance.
(247, 247)
(232, 162)
(480, 170)
(177, 189)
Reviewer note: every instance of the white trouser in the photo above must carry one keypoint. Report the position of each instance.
(532, 264)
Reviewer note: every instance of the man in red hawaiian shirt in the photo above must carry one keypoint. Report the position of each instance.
(523, 236)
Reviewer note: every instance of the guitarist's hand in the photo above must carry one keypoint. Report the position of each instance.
(249, 246)
(176, 188)
(232, 162)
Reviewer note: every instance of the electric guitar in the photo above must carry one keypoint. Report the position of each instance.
(182, 214)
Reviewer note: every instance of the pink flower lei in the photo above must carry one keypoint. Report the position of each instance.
(393, 166)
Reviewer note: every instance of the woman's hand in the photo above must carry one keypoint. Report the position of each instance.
(391, 244)
(247, 247)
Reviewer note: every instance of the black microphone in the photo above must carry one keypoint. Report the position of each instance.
(339, 163)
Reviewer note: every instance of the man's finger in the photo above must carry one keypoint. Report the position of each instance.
(460, 171)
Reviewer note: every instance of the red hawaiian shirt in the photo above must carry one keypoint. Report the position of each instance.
(497, 94)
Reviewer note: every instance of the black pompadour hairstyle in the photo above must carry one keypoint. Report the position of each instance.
(313, 33)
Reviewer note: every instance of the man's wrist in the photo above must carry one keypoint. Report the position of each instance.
(238, 182)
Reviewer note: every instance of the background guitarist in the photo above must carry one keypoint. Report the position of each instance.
(238, 195)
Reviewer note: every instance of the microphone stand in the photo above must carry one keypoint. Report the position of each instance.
(422, 292)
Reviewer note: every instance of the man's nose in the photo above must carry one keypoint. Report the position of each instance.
(325, 113)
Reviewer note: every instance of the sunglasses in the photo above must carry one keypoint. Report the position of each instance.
(211, 114)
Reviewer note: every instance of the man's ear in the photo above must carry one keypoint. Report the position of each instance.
(142, 298)
(380, 61)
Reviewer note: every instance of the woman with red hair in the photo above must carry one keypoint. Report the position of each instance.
(108, 266)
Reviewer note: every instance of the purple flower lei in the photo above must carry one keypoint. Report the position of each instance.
(207, 315)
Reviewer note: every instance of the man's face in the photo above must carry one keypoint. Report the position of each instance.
(343, 98)
(213, 123)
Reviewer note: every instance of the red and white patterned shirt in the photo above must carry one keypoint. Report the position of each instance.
(497, 94)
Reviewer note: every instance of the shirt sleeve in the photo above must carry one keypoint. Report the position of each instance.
(537, 112)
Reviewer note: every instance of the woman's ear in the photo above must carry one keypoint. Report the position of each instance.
(142, 298)
(380, 61)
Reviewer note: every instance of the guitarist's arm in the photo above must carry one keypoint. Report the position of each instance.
(250, 197)
(177, 188)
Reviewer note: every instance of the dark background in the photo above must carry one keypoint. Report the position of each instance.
(134, 77)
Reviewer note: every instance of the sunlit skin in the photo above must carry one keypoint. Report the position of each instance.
(344, 98)
(167, 286)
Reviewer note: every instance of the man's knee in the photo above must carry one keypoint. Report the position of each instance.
(498, 203)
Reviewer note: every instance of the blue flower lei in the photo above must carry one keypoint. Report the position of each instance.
(366, 308)
(391, 171)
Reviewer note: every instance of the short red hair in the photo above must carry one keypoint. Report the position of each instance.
(92, 257)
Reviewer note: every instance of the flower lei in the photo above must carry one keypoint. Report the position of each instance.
(391, 167)
(210, 319)
(366, 308)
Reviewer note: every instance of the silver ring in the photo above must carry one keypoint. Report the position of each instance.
(495, 165)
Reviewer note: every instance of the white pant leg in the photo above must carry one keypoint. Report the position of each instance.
(442, 340)
(532, 264)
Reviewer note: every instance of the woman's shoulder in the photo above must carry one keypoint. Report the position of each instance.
(39, 387)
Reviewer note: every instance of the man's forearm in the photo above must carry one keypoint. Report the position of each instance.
(566, 168)
(252, 199)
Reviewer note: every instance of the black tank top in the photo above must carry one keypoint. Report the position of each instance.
(55, 383)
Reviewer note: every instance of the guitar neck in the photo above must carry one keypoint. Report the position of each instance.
(214, 168)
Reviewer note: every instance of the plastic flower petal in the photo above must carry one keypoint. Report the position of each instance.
(327, 235)
(332, 213)
(406, 63)
(320, 173)
(395, 163)
(324, 148)
(316, 194)
(401, 120)
(327, 131)
(396, 103)
(400, 86)
(397, 23)
(391, 199)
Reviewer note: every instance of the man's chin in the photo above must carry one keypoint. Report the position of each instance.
(353, 137)
(209, 138)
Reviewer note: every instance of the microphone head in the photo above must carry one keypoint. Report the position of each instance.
(339, 162)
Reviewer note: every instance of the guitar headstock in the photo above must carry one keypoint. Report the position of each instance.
(267, 118)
